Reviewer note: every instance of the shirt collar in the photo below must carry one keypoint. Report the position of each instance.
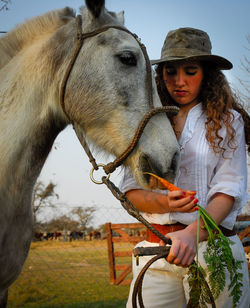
(193, 115)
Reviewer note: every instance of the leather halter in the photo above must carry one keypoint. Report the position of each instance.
(110, 167)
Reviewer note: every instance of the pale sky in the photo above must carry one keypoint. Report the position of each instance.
(227, 23)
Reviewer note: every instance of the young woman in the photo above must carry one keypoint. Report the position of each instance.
(213, 130)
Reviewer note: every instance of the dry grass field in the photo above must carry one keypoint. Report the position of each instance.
(73, 274)
(67, 274)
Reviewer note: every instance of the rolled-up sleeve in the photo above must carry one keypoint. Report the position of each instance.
(230, 176)
(128, 182)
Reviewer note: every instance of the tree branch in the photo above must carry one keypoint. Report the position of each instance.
(4, 5)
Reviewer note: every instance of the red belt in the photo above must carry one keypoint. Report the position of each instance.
(164, 229)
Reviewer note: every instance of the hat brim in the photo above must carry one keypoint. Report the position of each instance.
(221, 63)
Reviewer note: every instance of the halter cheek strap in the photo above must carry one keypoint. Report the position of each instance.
(80, 39)
(170, 110)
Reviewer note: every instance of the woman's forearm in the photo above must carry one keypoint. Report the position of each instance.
(156, 203)
(219, 207)
(148, 201)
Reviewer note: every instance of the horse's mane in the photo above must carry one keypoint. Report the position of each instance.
(24, 34)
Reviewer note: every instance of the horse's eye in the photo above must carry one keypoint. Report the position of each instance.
(128, 58)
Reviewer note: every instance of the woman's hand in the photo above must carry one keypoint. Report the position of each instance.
(183, 249)
(153, 202)
(182, 201)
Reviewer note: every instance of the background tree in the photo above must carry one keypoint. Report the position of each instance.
(78, 219)
(4, 4)
(245, 97)
(62, 223)
(245, 83)
(84, 216)
(43, 197)
(102, 228)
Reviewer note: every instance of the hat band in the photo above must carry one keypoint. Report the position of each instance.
(183, 52)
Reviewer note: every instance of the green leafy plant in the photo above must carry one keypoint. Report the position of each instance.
(219, 258)
(200, 293)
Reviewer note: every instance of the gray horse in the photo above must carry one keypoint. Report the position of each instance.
(105, 95)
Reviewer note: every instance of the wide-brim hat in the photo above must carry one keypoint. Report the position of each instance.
(190, 44)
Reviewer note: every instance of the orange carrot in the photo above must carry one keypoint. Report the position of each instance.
(169, 186)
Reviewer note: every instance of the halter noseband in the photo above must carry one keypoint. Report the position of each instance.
(110, 167)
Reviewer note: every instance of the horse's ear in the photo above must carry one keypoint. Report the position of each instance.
(95, 6)
(120, 17)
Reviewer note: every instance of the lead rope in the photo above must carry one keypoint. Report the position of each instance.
(131, 209)
(110, 167)
(170, 110)
(159, 252)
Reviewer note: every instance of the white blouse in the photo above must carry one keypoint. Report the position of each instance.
(204, 171)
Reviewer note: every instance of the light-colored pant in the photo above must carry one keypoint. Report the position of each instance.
(165, 285)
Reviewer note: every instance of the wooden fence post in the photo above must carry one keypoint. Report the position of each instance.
(120, 236)
(110, 253)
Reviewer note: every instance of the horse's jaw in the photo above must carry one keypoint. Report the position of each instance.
(140, 161)
(141, 164)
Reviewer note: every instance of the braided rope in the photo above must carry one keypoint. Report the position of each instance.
(110, 167)
(71, 64)
(84, 144)
(131, 209)
(137, 291)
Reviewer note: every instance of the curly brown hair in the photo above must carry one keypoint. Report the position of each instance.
(217, 100)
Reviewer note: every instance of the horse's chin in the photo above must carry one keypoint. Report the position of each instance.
(141, 179)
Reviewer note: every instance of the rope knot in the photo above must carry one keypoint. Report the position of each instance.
(109, 168)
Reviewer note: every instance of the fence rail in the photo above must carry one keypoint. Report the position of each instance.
(84, 273)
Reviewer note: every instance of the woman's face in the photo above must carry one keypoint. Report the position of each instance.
(183, 81)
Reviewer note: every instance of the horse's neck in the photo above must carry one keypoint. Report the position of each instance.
(27, 131)
(31, 117)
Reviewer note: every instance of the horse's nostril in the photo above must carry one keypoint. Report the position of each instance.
(175, 162)
(145, 163)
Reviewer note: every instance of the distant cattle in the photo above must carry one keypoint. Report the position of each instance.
(57, 235)
(38, 236)
(94, 235)
(49, 236)
(76, 235)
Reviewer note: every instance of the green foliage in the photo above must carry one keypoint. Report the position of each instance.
(219, 259)
(200, 293)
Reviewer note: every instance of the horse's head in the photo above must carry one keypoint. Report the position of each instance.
(106, 95)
